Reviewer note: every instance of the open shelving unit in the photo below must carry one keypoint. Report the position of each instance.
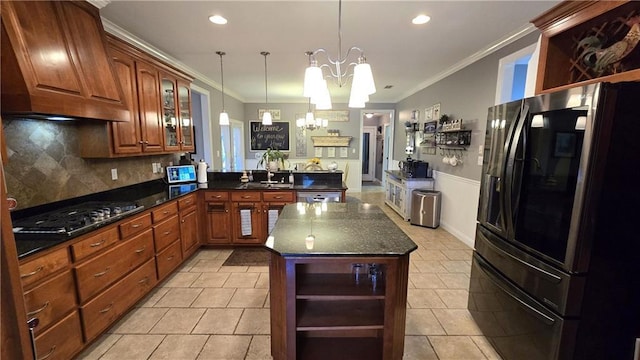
(325, 314)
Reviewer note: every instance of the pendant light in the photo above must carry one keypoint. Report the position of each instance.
(266, 116)
(224, 117)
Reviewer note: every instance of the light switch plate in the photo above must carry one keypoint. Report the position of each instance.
(480, 158)
(114, 174)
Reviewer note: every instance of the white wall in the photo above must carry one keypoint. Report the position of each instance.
(459, 205)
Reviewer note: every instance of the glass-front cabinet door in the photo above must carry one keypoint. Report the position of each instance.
(186, 122)
(169, 114)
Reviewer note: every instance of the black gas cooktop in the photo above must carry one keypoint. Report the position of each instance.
(72, 220)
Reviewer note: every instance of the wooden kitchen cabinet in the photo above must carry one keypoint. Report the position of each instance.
(166, 237)
(108, 306)
(560, 63)
(318, 311)
(176, 114)
(51, 300)
(273, 203)
(62, 341)
(55, 61)
(247, 217)
(187, 206)
(218, 217)
(101, 271)
(158, 98)
(34, 270)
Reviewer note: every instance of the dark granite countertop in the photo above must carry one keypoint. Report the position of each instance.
(157, 192)
(344, 229)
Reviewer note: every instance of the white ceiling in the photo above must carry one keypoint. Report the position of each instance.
(401, 54)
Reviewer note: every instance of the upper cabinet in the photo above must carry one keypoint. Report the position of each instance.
(55, 62)
(588, 41)
(159, 100)
(176, 114)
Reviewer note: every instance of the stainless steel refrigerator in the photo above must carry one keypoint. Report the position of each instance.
(556, 265)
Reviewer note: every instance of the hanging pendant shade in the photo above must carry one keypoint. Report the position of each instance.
(266, 116)
(224, 117)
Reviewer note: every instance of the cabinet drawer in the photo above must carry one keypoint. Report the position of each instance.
(216, 196)
(165, 211)
(168, 259)
(135, 226)
(102, 311)
(61, 341)
(278, 196)
(245, 196)
(39, 268)
(94, 243)
(166, 232)
(51, 300)
(186, 201)
(96, 274)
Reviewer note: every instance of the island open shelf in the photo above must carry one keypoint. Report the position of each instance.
(343, 297)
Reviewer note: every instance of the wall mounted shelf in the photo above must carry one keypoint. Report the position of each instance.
(340, 141)
(457, 139)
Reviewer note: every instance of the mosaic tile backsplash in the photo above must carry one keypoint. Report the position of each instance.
(44, 164)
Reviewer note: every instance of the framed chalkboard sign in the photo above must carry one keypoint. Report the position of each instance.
(274, 136)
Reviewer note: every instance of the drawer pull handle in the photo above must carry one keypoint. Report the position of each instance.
(102, 273)
(141, 250)
(48, 355)
(217, 196)
(107, 309)
(99, 243)
(170, 258)
(22, 276)
(187, 202)
(246, 196)
(144, 281)
(165, 212)
(166, 233)
(277, 197)
(136, 225)
(37, 311)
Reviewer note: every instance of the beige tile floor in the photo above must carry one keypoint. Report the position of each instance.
(207, 311)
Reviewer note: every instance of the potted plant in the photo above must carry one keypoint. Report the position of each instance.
(271, 158)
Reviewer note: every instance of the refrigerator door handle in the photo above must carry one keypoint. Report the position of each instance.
(510, 208)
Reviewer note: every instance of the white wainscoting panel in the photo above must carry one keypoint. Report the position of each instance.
(459, 205)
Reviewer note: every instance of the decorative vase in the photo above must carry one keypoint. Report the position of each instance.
(272, 166)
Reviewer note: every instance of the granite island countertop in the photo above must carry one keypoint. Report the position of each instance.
(344, 229)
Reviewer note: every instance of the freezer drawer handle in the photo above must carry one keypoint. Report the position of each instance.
(554, 278)
(534, 311)
(40, 268)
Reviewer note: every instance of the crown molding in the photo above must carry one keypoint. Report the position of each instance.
(490, 49)
(123, 34)
(99, 3)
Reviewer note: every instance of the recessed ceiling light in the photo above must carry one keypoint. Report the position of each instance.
(421, 19)
(217, 19)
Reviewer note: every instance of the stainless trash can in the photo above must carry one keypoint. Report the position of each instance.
(425, 208)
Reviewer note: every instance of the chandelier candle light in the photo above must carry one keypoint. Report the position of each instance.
(224, 117)
(362, 85)
(266, 116)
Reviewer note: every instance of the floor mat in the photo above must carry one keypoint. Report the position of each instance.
(254, 256)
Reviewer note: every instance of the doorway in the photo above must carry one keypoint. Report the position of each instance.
(377, 147)
(368, 153)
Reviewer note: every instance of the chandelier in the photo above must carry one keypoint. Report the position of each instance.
(362, 84)
(309, 122)
(224, 117)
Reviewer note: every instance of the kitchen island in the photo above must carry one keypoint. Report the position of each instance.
(338, 283)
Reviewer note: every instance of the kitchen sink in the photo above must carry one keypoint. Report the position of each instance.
(255, 185)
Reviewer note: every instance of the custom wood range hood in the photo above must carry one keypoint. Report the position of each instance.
(55, 63)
